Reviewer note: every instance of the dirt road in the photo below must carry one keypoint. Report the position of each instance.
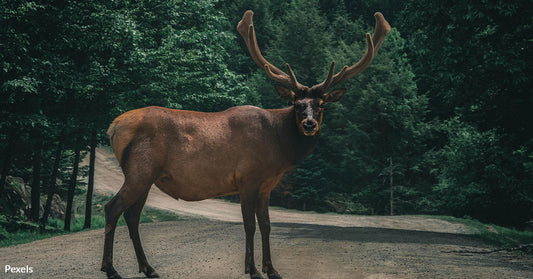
(209, 243)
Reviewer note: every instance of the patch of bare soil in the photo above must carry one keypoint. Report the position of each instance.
(210, 244)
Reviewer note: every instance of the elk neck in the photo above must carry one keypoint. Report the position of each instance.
(296, 146)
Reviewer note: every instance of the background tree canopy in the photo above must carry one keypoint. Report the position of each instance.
(439, 123)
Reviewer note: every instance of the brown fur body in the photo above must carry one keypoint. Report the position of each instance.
(199, 155)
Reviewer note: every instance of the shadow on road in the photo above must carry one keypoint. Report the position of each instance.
(370, 235)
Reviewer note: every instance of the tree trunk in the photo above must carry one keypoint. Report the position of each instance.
(52, 182)
(36, 182)
(391, 188)
(72, 185)
(90, 185)
(8, 156)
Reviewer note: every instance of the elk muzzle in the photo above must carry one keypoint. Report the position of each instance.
(309, 127)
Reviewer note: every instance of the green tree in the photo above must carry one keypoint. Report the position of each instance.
(471, 59)
(380, 117)
(473, 181)
(181, 57)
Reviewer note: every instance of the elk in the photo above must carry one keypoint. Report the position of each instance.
(244, 150)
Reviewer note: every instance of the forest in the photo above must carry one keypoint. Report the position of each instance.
(440, 123)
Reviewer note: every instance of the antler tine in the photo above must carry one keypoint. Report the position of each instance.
(246, 29)
(294, 81)
(279, 78)
(330, 74)
(373, 44)
(380, 31)
(336, 79)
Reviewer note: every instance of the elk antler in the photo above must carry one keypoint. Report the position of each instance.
(246, 29)
(373, 45)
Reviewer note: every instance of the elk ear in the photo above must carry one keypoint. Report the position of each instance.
(285, 93)
(334, 95)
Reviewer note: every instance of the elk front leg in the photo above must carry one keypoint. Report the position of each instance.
(264, 226)
(248, 204)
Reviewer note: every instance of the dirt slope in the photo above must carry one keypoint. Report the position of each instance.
(210, 244)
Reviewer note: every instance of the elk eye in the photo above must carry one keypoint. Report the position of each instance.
(301, 106)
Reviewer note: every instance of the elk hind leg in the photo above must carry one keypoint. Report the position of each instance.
(133, 189)
(132, 216)
(113, 209)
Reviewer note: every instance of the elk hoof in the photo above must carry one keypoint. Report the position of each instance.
(111, 273)
(150, 272)
(256, 276)
(274, 276)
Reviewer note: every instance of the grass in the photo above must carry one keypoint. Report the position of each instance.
(23, 232)
(493, 234)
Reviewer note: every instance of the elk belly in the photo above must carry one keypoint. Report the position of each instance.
(196, 189)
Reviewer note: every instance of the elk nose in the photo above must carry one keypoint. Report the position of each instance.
(309, 125)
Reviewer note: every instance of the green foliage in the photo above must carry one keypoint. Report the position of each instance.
(301, 34)
(14, 230)
(345, 203)
(493, 234)
(471, 58)
(181, 58)
(478, 178)
(471, 61)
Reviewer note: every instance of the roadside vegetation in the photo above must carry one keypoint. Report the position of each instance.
(501, 237)
(18, 231)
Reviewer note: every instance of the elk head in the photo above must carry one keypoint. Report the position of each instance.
(309, 102)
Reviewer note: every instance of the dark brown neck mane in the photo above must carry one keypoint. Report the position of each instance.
(295, 145)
